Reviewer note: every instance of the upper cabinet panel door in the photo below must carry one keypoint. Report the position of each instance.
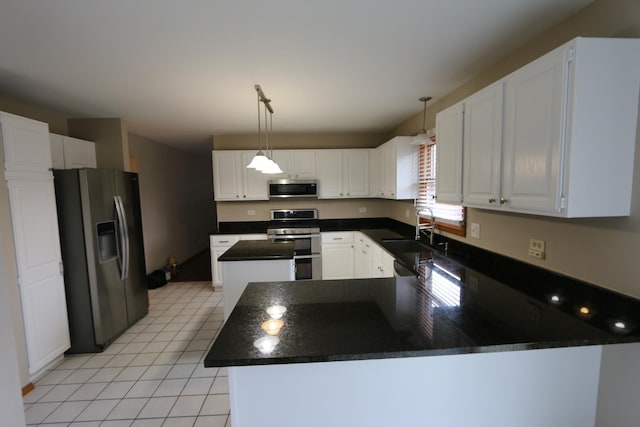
(304, 164)
(26, 144)
(226, 176)
(449, 126)
(37, 245)
(57, 151)
(534, 137)
(482, 147)
(254, 183)
(356, 173)
(330, 174)
(79, 153)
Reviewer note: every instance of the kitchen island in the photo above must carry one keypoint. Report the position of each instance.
(251, 261)
(450, 347)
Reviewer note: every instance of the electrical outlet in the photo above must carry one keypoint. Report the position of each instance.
(536, 248)
(251, 212)
(362, 209)
(407, 213)
(475, 230)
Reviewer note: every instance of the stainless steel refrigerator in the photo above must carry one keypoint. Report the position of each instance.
(102, 253)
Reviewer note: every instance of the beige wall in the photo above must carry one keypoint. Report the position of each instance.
(176, 195)
(327, 209)
(600, 250)
(301, 140)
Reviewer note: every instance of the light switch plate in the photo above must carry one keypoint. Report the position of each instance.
(475, 230)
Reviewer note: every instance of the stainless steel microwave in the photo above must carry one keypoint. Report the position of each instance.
(293, 188)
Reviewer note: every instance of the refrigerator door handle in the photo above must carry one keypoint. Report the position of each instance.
(124, 238)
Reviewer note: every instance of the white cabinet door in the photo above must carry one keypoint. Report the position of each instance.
(78, 153)
(254, 183)
(220, 244)
(482, 147)
(533, 139)
(355, 173)
(338, 261)
(232, 180)
(363, 257)
(295, 164)
(449, 125)
(330, 174)
(338, 255)
(304, 164)
(26, 144)
(382, 262)
(35, 229)
(343, 173)
(398, 169)
(226, 176)
(57, 151)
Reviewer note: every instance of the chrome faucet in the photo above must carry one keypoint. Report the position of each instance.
(426, 227)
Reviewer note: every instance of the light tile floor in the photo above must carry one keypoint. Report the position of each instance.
(151, 376)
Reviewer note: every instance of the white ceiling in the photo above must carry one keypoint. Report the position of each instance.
(178, 70)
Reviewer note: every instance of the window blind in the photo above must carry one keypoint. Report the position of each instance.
(427, 188)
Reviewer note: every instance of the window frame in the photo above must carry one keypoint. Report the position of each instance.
(427, 177)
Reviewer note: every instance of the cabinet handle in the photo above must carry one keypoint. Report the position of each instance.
(337, 238)
(503, 200)
(341, 194)
(492, 199)
(244, 196)
(237, 196)
(434, 197)
(223, 241)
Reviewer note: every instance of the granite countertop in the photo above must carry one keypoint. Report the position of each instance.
(449, 308)
(254, 250)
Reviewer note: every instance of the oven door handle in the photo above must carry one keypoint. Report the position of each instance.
(294, 236)
(306, 256)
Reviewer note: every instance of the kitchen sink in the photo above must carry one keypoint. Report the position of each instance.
(404, 245)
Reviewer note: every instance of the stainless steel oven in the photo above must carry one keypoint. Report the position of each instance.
(301, 227)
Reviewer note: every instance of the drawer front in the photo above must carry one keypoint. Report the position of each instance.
(336, 237)
(224, 240)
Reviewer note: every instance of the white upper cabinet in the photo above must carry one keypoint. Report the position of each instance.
(26, 144)
(449, 139)
(232, 180)
(557, 137)
(482, 146)
(570, 130)
(295, 164)
(397, 162)
(72, 153)
(343, 173)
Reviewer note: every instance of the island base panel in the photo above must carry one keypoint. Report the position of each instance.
(549, 387)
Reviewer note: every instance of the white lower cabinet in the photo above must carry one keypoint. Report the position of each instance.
(371, 259)
(40, 275)
(219, 244)
(338, 255)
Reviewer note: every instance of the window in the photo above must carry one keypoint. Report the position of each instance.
(449, 218)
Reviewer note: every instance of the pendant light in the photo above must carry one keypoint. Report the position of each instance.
(270, 167)
(261, 162)
(423, 137)
(259, 159)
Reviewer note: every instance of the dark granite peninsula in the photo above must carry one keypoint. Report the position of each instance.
(449, 347)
